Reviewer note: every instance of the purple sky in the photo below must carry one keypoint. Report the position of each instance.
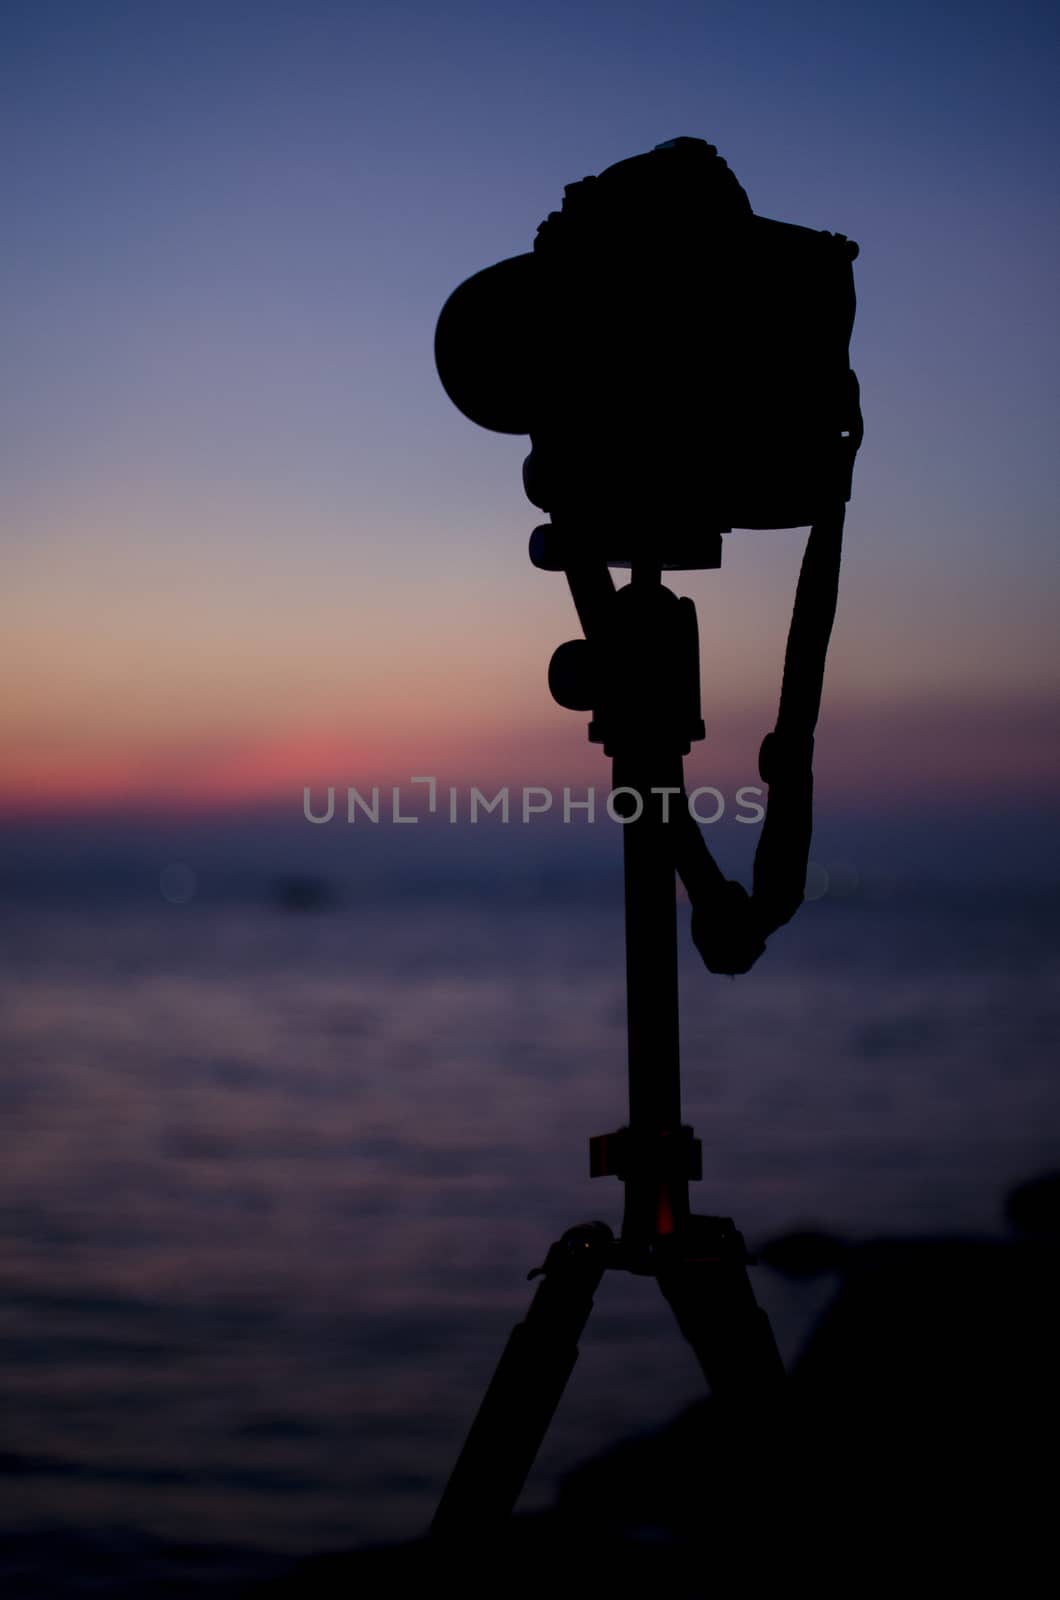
(249, 543)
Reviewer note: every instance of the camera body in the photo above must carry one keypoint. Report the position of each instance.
(680, 364)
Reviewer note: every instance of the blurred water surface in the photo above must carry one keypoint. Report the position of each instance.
(272, 1182)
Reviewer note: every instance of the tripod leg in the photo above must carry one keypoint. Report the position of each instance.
(526, 1388)
(742, 1459)
(711, 1296)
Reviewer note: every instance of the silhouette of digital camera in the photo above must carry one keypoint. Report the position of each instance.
(680, 364)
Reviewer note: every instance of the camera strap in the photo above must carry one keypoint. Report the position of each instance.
(729, 926)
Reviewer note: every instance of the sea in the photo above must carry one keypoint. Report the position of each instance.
(277, 1160)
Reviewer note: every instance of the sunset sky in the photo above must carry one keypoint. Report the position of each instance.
(248, 543)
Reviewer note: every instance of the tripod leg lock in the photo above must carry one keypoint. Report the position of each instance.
(673, 1153)
(575, 1250)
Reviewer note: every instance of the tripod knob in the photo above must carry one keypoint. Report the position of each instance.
(589, 1241)
(571, 676)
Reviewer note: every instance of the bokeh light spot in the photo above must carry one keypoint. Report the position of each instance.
(177, 883)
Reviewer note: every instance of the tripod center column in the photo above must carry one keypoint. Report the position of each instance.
(655, 1201)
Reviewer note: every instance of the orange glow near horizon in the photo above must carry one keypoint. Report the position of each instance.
(865, 756)
(182, 673)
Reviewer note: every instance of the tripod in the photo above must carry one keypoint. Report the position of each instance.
(637, 670)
